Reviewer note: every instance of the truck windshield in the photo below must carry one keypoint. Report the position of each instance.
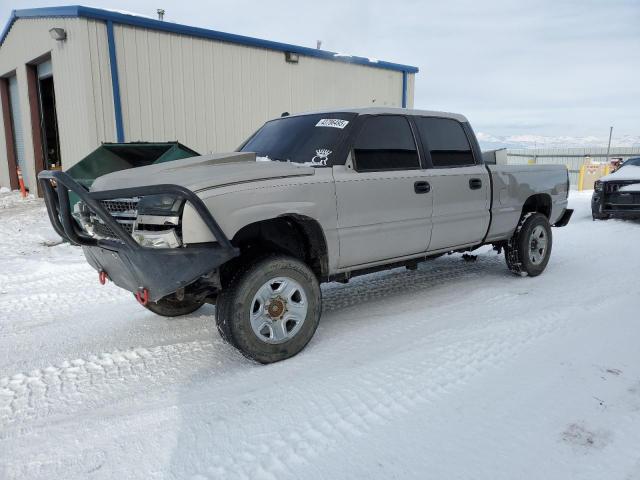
(305, 139)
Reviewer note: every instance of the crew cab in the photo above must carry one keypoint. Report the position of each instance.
(306, 199)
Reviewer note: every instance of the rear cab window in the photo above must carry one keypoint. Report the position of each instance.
(446, 142)
(385, 142)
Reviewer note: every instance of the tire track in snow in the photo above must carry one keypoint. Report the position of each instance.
(46, 307)
(81, 384)
(378, 395)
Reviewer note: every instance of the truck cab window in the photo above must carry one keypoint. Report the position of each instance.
(446, 141)
(385, 143)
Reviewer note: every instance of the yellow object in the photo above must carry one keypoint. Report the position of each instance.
(589, 173)
(581, 178)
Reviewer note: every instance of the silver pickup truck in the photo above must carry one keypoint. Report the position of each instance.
(308, 198)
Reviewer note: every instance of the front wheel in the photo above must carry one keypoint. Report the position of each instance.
(270, 309)
(529, 249)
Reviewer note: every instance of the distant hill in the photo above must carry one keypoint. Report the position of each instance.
(492, 142)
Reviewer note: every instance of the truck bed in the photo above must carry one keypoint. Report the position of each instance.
(512, 185)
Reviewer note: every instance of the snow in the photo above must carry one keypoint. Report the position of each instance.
(630, 172)
(455, 370)
(489, 141)
(634, 187)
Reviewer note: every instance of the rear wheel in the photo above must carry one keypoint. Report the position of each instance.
(529, 249)
(270, 309)
(170, 306)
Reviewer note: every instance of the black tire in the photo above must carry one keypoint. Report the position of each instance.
(521, 254)
(235, 304)
(599, 216)
(172, 307)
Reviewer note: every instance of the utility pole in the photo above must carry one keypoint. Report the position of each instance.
(609, 146)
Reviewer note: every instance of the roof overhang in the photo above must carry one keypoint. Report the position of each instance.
(78, 11)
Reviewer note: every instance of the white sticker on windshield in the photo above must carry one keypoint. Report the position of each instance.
(321, 157)
(333, 123)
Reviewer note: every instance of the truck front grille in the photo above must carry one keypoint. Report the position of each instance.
(122, 206)
(123, 210)
(613, 187)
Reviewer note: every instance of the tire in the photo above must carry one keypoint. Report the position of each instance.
(525, 254)
(172, 307)
(270, 309)
(598, 216)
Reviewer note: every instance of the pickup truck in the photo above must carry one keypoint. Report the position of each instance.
(308, 198)
(617, 195)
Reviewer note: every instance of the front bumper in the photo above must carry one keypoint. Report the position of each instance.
(615, 204)
(158, 271)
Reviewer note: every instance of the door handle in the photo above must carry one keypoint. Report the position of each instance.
(421, 187)
(475, 184)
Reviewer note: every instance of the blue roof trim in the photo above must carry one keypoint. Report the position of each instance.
(137, 21)
(115, 83)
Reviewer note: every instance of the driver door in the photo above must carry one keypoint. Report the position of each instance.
(384, 199)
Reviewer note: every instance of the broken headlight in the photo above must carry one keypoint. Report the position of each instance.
(158, 221)
(166, 205)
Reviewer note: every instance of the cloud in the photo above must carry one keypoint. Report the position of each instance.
(544, 67)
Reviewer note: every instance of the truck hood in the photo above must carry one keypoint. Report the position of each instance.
(630, 172)
(202, 173)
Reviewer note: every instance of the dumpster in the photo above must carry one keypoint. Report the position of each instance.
(112, 157)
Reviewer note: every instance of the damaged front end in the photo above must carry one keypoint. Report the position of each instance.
(133, 236)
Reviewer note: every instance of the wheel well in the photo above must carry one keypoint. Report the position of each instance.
(296, 235)
(540, 202)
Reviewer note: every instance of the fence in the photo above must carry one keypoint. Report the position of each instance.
(573, 158)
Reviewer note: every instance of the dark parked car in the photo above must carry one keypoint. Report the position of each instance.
(618, 194)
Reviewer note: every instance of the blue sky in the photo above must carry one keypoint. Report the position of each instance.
(541, 67)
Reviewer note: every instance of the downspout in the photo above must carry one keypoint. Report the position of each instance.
(115, 82)
(404, 89)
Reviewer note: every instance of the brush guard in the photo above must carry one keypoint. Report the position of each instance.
(150, 273)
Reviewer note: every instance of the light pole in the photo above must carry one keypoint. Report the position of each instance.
(609, 146)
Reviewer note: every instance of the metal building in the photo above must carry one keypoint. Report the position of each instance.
(74, 77)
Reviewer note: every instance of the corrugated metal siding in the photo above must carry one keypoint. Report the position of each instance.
(82, 83)
(573, 158)
(211, 95)
(411, 88)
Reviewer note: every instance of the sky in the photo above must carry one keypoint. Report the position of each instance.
(514, 68)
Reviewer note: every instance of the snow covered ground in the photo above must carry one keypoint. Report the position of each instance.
(454, 371)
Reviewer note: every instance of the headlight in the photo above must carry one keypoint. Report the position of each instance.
(169, 205)
(597, 186)
(158, 222)
(162, 239)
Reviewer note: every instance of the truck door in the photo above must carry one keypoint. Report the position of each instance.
(460, 185)
(384, 199)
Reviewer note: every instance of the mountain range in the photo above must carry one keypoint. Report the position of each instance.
(492, 142)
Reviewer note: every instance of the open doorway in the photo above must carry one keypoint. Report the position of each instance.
(48, 117)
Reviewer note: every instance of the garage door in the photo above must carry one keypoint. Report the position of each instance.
(16, 122)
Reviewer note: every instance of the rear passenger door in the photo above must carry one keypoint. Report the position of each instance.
(383, 196)
(460, 184)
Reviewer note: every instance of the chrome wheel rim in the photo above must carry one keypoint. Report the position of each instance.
(278, 310)
(538, 245)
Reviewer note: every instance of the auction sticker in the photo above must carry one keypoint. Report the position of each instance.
(333, 123)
